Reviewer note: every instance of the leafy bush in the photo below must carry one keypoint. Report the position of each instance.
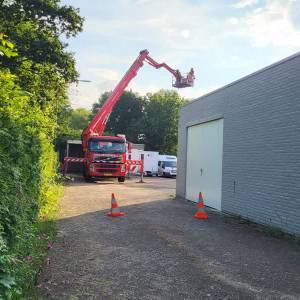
(28, 184)
(31, 102)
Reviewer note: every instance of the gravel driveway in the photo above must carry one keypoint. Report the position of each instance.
(159, 251)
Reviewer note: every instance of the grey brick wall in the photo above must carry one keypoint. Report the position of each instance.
(261, 144)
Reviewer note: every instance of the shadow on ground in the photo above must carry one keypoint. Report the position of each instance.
(159, 251)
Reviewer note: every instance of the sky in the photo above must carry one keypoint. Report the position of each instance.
(223, 40)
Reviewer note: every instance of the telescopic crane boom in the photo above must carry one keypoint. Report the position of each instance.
(97, 125)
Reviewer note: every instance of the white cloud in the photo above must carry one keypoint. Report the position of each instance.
(233, 21)
(196, 92)
(177, 25)
(185, 33)
(180, 27)
(85, 94)
(295, 13)
(98, 58)
(179, 33)
(234, 61)
(141, 2)
(270, 25)
(103, 73)
(244, 3)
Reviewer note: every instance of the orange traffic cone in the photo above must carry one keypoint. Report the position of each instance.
(200, 214)
(115, 210)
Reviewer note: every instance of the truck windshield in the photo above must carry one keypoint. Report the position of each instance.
(107, 146)
(172, 164)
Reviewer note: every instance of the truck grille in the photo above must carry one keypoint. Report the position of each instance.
(104, 159)
(107, 167)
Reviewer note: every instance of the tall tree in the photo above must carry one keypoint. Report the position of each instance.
(80, 118)
(35, 27)
(160, 121)
(43, 65)
(126, 117)
(71, 124)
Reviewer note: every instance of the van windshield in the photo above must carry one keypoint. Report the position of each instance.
(107, 146)
(172, 164)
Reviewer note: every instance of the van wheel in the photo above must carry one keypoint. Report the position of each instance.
(121, 179)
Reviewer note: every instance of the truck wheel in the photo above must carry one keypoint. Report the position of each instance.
(86, 177)
(121, 179)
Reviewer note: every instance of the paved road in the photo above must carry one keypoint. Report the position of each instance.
(159, 251)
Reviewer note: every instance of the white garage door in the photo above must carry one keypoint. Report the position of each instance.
(204, 163)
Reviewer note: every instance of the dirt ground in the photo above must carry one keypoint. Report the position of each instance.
(159, 251)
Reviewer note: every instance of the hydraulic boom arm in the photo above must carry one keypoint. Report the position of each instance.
(97, 125)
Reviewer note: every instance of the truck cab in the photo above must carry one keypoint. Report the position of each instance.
(167, 166)
(105, 157)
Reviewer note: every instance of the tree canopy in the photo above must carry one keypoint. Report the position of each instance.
(43, 64)
(151, 119)
(126, 117)
(160, 121)
(80, 118)
(35, 26)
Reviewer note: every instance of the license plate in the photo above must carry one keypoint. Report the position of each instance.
(107, 174)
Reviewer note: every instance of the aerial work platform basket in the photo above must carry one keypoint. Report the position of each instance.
(183, 81)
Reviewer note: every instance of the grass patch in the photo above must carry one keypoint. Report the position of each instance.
(265, 229)
(244, 221)
(28, 258)
(279, 234)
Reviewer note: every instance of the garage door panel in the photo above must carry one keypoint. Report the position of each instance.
(193, 163)
(204, 162)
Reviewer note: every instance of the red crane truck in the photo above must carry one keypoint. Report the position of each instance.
(105, 156)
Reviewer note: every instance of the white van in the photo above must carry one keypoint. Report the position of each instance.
(167, 165)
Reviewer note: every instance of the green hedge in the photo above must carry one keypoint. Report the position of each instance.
(28, 187)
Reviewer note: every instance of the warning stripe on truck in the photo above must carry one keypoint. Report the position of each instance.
(74, 159)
